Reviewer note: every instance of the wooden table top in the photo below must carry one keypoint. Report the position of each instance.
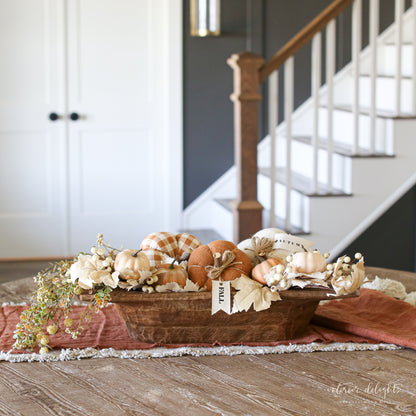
(320, 383)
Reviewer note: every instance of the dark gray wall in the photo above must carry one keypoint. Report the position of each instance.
(208, 113)
(390, 241)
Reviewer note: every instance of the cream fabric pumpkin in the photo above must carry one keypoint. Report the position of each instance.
(130, 263)
(307, 262)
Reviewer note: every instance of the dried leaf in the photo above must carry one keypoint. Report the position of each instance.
(251, 293)
(346, 284)
(190, 286)
(168, 287)
(311, 276)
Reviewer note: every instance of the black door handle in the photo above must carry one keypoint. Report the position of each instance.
(53, 117)
(74, 116)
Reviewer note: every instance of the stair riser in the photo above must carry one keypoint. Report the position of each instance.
(302, 163)
(299, 203)
(343, 125)
(385, 93)
(386, 61)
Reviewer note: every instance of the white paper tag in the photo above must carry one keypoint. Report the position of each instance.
(291, 243)
(221, 297)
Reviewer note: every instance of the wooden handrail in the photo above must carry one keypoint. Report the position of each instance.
(250, 71)
(303, 37)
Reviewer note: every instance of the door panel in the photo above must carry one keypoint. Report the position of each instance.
(32, 208)
(116, 147)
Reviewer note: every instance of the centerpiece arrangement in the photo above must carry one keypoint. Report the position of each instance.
(173, 289)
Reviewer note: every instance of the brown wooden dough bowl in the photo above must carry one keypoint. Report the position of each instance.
(185, 318)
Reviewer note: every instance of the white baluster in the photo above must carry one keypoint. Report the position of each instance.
(356, 48)
(374, 28)
(289, 93)
(398, 38)
(273, 120)
(316, 84)
(330, 70)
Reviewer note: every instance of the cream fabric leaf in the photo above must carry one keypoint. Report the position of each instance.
(168, 287)
(389, 287)
(111, 279)
(411, 298)
(346, 284)
(129, 285)
(90, 270)
(251, 293)
(190, 286)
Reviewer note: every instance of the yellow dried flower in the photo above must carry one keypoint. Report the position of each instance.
(44, 350)
(68, 322)
(52, 329)
(44, 340)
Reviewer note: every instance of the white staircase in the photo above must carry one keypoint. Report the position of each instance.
(365, 183)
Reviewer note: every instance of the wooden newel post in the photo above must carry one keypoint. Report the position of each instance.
(247, 211)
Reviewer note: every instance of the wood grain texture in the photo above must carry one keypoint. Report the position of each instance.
(322, 383)
(247, 211)
(182, 318)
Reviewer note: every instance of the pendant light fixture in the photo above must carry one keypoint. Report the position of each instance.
(205, 17)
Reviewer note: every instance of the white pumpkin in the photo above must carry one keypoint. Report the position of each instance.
(307, 262)
(130, 263)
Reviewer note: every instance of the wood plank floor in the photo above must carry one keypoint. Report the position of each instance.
(14, 270)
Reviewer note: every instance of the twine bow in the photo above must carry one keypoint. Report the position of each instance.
(221, 263)
(261, 246)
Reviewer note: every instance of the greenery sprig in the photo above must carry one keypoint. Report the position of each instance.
(57, 287)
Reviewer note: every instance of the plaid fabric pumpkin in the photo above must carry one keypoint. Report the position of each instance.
(159, 246)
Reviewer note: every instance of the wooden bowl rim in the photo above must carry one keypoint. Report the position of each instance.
(119, 295)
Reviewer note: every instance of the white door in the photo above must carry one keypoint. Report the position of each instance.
(32, 207)
(116, 164)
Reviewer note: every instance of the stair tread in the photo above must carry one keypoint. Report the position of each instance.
(205, 235)
(391, 43)
(342, 149)
(280, 222)
(379, 113)
(303, 184)
(386, 76)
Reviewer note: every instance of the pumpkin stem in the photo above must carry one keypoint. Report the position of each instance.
(171, 265)
(184, 257)
(136, 253)
(260, 259)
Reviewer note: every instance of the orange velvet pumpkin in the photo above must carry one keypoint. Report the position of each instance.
(170, 273)
(263, 268)
(205, 257)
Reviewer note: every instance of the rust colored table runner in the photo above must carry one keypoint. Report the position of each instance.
(373, 317)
